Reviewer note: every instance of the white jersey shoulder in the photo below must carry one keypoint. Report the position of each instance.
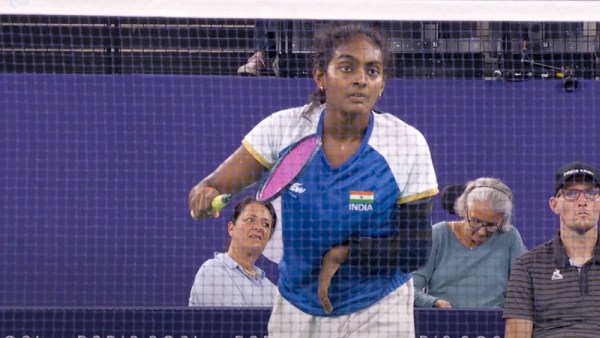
(273, 134)
(407, 153)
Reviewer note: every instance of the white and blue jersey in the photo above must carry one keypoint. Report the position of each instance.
(327, 206)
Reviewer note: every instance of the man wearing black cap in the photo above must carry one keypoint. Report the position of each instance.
(554, 289)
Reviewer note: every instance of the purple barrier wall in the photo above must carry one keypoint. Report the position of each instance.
(214, 323)
(96, 169)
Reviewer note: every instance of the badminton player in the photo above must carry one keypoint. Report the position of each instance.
(357, 220)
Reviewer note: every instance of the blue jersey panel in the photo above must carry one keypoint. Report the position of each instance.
(326, 207)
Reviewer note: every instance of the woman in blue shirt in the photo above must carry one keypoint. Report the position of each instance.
(357, 220)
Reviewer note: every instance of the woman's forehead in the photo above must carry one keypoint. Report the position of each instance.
(256, 208)
(358, 45)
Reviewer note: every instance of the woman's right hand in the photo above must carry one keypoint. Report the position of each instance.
(200, 199)
(238, 171)
(442, 304)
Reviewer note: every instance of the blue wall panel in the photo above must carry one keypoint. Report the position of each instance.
(96, 169)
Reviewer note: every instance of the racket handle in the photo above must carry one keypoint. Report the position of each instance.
(216, 204)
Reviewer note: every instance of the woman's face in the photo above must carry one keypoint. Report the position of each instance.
(354, 79)
(482, 222)
(252, 229)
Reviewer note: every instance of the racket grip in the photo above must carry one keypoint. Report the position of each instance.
(216, 204)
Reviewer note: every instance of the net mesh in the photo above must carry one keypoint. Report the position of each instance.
(108, 121)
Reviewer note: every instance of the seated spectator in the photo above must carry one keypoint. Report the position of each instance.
(266, 51)
(231, 278)
(554, 289)
(470, 261)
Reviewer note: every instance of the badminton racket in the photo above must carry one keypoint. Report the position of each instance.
(288, 168)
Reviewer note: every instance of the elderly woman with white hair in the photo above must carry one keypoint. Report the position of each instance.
(471, 259)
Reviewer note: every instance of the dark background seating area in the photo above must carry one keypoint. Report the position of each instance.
(121, 45)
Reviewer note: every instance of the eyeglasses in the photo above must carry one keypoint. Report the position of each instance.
(477, 224)
(573, 194)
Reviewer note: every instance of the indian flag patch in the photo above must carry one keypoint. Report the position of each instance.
(364, 197)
